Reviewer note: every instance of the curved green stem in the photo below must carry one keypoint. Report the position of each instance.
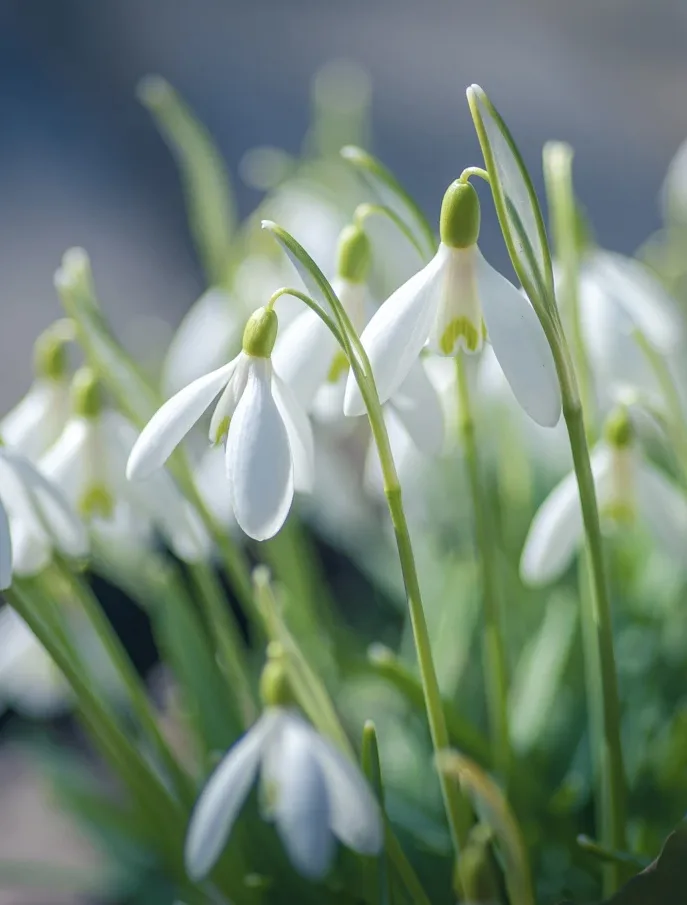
(474, 171)
(495, 667)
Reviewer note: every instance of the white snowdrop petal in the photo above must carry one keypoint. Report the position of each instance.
(230, 398)
(36, 422)
(301, 806)
(519, 344)
(31, 549)
(170, 423)
(63, 464)
(354, 813)
(5, 550)
(220, 801)
(418, 407)
(556, 531)
(663, 506)
(398, 331)
(300, 434)
(208, 334)
(259, 463)
(303, 356)
(56, 515)
(632, 287)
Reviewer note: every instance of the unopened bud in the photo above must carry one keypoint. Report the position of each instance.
(460, 216)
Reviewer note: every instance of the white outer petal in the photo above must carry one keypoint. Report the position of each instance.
(55, 513)
(220, 801)
(303, 356)
(354, 813)
(300, 434)
(36, 422)
(556, 531)
(170, 423)
(418, 406)
(65, 462)
(155, 498)
(398, 331)
(635, 290)
(5, 550)
(663, 506)
(259, 462)
(301, 807)
(519, 344)
(230, 398)
(210, 332)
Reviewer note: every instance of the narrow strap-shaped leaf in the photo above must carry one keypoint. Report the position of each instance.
(209, 195)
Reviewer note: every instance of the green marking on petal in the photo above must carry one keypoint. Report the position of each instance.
(338, 367)
(461, 328)
(222, 429)
(619, 512)
(95, 502)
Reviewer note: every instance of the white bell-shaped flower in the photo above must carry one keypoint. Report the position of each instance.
(454, 303)
(269, 446)
(312, 792)
(616, 295)
(38, 419)
(628, 486)
(30, 682)
(35, 519)
(88, 463)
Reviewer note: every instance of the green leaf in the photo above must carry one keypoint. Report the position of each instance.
(515, 200)
(389, 192)
(377, 871)
(540, 672)
(495, 812)
(209, 196)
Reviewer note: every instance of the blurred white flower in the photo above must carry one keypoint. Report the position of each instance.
(313, 793)
(616, 295)
(627, 486)
(30, 682)
(34, 424)
(88, 463)
(451, 303)
(269, 446)
(35, 518)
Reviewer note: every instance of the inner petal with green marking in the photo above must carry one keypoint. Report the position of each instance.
(459, 324)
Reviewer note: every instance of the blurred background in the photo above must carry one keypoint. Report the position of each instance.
(82, 164)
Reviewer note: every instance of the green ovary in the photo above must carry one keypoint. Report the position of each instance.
(461, 328)
(338, 367)
(96, 502)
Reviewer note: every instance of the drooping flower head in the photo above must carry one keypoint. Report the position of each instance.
(453, 304)
(628, 487)
(313, 793)
(268, 439)
(38, 419)
(88, 463)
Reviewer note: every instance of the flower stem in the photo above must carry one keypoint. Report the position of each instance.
(604, 709)
(458, 810)
(495, 667)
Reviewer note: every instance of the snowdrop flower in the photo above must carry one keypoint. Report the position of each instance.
(35, 518)
(312, 792)
(88, 462)
(269, 446)
(30, 682)
(616, 295)
(455, 302)
(34, 424)
(627, 486)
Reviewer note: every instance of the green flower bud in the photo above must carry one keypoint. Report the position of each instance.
(275, 688)
(619, 431)
(260, 334)
(50, 357)
(354, 254)
(460, 216)
(87, 394)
